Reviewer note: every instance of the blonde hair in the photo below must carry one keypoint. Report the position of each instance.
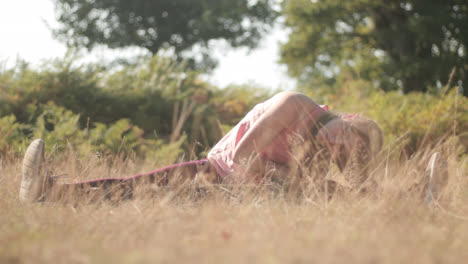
(362, 155)
(368, 129)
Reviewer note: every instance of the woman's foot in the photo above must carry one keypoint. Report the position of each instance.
(437, 176)
(34, 176)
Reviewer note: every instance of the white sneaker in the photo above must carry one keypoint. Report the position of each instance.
(34, 180)
(437, 175)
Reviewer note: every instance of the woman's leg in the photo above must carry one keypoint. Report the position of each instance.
(124, 188)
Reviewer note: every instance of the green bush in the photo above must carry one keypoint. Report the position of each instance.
(11, 138)
(60, 129)
(416, 119)
(116, 110)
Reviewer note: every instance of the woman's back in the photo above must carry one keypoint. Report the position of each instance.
(280, 116)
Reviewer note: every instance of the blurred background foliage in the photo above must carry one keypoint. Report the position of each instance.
(415, 120)
(408, 45)
(134, 108)
(179, 25)
(402, 63)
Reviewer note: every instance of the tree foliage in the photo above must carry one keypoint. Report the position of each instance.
(163, 24)
(412, 45)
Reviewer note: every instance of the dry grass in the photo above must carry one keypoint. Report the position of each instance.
(388, 224)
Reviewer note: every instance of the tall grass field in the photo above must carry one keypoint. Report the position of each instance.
(262, 223)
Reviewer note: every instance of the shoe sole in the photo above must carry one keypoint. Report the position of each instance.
(32, 182)
(437, 173)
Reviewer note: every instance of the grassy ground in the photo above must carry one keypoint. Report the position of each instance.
(250, 225)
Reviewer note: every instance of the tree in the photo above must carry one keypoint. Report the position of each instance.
(413, 45)
(163, 24)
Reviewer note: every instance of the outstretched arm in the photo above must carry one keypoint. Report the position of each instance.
(287, 108)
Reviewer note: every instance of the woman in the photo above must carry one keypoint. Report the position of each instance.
(285, 130)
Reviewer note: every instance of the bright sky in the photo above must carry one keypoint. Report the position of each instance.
(25, 34)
